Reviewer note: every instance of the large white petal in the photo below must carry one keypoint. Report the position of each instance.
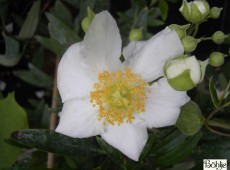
(101, 46)
(148, 58)
(130, 139)
(132, 49)
(163, 104)
(73, 80)
(79, 119)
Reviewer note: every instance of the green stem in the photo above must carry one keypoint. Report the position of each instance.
(205, 39)
(196, 30)
(190, 30)
(217, 132)
(207, 122)
(219, 124)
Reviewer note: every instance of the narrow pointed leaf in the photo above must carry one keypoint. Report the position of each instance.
(113, 153)
(141, 20)
(147, 149)
(50, 44)
(213, 93)
(11, 56)
(168, 144)
(29, 27)
(61, 32)
(180, 151)
(35, 77)
(50, 141)
(61, 12)
(164, 9)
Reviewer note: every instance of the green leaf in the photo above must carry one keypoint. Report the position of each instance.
(155, 22)
(35, 77)
(223, 81)
(50, 141)
(213, 93)
(12, 117)
(179, 152)
(141, 20)
(113, 153)
(61, 12)
(168, 143)
(163, 5)
(147, 149)
(191, 119)
(11, 56)
(153, 14)
(29, 27)
(221, 123)
(61, 32)
(50, 44)
(215, 147)
(183, 166)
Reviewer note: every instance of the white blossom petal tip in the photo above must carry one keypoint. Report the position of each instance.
(102, 44)
(129, 139)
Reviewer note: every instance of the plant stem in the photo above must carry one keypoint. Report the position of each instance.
(205, 39)
(207, 122)
(196, 29)
(53, 116)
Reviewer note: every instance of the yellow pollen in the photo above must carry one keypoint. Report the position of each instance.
(119, 96)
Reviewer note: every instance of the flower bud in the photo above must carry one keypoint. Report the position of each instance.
(218, 37)
(183, 73)
(87, 20)
(216, 59)
(215, 12)
(195, 11)
(189, 43)
(180, 29)
(136, 34)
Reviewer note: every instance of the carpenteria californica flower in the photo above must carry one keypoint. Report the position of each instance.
(105, 97)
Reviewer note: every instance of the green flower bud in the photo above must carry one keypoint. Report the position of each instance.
(183, 73)
(215, 12)
(218, 37)
(87, 20)
(189, 43)
(195, 11)
(136, 34)
(180, 29)
(216, 59)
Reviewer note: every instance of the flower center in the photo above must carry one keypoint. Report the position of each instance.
(119, 96)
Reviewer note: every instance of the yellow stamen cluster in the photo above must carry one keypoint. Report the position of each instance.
(119, 95)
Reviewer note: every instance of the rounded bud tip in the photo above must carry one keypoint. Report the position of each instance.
(136, 34)
(189, 43)
(215, 12)
(218, 37)
(216, 59)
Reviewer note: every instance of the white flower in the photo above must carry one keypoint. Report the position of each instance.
(105, 97)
